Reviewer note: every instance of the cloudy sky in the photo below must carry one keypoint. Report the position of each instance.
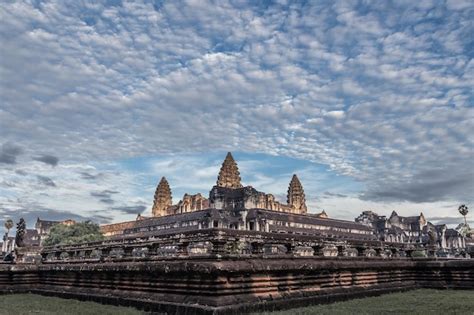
(370, 102)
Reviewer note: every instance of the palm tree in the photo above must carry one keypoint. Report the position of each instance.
(8, 225)
(463, 210)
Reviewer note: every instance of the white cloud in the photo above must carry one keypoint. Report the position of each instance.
(380, 93)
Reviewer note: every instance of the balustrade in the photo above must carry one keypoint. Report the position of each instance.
(222, 243)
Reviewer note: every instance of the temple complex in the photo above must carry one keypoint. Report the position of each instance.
(414, 230)
(230, 205)
(228, 193)
(240, 250)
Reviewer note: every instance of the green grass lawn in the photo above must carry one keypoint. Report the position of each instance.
(22, 304)
(424, 302)
(411, 302)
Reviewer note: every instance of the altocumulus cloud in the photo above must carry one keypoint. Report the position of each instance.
(381, 93)
(47, 159)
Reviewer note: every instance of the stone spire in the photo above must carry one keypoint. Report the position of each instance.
(229, 176)
(296, 198)
(162, 199)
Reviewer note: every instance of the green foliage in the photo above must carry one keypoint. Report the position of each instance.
(418, 253)
(9, 224)
(82, 232)
(463, 210)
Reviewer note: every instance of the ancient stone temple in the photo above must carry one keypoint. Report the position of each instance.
(163, 199)
(228, 193)
(241, 250)
(296, 197)
(234, 206)
(414, 230)
(229, 176)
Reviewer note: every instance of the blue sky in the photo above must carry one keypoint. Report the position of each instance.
(370, 102)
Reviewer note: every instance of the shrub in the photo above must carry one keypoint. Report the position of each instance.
(82, 232)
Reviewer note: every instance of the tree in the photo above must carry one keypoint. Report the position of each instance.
(463, 210)
(8, 225)
(83, 232)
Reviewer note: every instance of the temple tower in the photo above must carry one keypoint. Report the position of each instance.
(229, 176)
(296, 198)
(162, 199)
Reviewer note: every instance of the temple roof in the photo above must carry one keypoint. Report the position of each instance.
(162, 199)
(305, 218)
(229, 175)
(45, 223)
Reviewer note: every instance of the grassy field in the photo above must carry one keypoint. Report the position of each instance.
(412, 302)
(22, 304)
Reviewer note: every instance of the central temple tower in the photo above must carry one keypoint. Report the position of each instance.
(229, 175)
(296, 198)
(162, 200)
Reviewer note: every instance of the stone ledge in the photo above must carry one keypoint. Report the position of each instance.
(232, 287)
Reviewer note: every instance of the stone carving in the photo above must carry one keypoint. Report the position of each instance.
(20, 233)
(191, 203)
(296, 197)
(229, 176)
(163, 199)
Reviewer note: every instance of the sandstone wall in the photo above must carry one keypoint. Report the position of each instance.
(197, 286)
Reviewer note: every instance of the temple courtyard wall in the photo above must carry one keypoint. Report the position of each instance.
(204, 286)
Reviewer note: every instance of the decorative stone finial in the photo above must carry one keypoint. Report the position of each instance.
(20, 233)
(162, 199)
(323, 214)
(229, 176)
(296, 198)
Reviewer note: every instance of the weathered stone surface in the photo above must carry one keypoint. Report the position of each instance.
(296, 198)
(196, 286)
(229, 175)
(163, 199)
